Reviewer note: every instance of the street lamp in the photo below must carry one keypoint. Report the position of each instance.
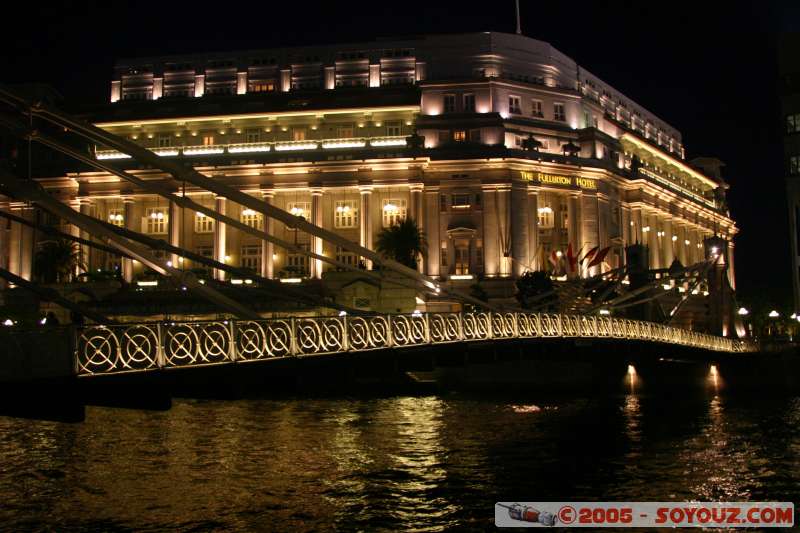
(743, 311)
(774, 314)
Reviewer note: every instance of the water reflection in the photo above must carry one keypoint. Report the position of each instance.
(429, 463)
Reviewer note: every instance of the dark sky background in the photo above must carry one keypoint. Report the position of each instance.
(707, 68)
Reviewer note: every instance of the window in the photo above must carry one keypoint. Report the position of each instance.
(449, 103)
(252, 135)
(514, 105)
(444, 136)
(345, 132)
(794, 165)
(251, 218)
(545, 217)
(394, 211)
(459, 135)
(164, 141)
(793, 123)
(263, 87)
(393, 128)
(460, 201)
(564, 213)
(203, 223)
(208, 253)
(299, 134)
(251, 257)
(443, 254)
(443, 203)
(536, 108)
(475, 136)
(155, 221)
(113, 262)
(469, 103)
(558, 112)
(478, 201)
(462, 257)
(208, 140)
(299, 209)
(345, 214)
(479, 254)
(297, 263)
(116, 217)
(347, 257)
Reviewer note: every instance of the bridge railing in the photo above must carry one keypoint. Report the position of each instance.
(149, 346)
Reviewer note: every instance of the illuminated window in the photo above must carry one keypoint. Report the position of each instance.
(793, 123)
(299, 134)
(536, 108)
(206, 252)
(155, 221)
(116, 217)
(345, 132)
(514, 106)
(558, 112)
(299, 209)
(393, 128)
(164, 141)
(251, 257)
(208, 140)
(459, 135)
(469, 103)
(545, 217)
(251, 218)
(347, 257)
(252, 135)
(345, 214)
(262, 87)
(449, 103)
(394, 211)
(203, 223)
(460, 201)
(443, 254)
(297, 263)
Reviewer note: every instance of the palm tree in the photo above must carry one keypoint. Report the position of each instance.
(56, 260)
(403, 242)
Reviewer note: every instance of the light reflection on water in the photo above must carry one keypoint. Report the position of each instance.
(422, 463)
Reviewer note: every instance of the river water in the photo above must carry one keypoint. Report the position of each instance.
(393, 463)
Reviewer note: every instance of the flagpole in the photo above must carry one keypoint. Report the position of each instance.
(519, 28)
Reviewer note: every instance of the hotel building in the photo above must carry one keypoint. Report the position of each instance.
(519, 152)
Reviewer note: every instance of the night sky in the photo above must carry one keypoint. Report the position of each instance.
(707, 68)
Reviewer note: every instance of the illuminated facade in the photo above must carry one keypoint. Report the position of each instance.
(322, 133)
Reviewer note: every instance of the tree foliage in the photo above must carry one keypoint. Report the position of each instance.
(56, 260)
(536, 289)
(404, 242)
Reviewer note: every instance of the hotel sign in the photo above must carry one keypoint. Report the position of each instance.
(557, 179)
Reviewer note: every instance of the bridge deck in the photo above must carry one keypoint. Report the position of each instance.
(151, 346)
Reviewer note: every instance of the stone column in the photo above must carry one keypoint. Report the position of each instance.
(416, 212)
(267, 248)
(220, 251)
(574, 233)
(680, 245)
(26, 245)
(626, 220)
(127, 264)
(85, 208)
(667, 244)
(175, 227)
(433, 259)
(504, 228)
(534, 257)
(4, 234)
(14, 243)
(603, 229)
(365, 220)
(492, 254)
(520, 229)
(731, 271)
(316, 242)
(652, 241)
